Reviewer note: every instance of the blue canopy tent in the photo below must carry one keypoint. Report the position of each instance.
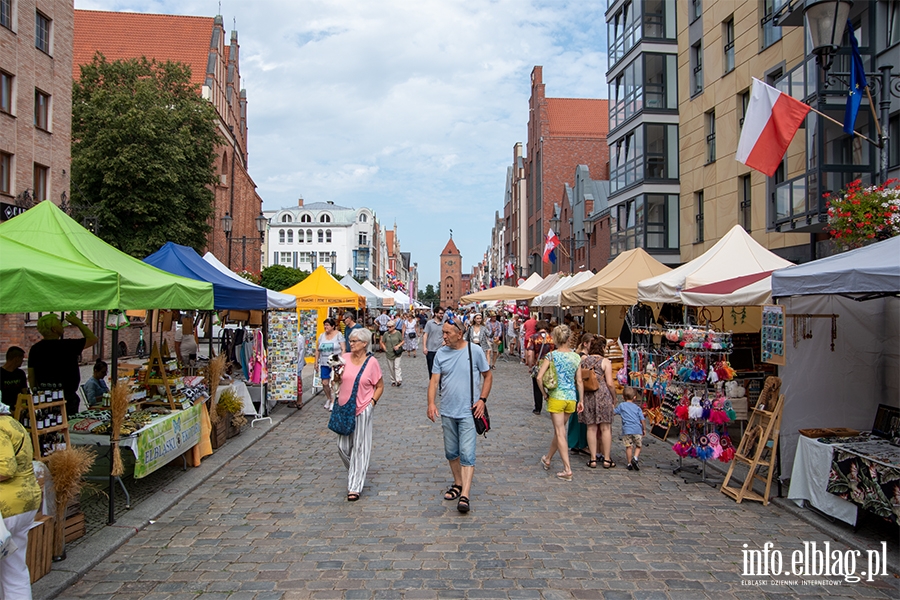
(228, 293)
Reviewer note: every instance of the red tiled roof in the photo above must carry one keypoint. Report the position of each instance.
(120, 35)
(450, 248)
(578, 117)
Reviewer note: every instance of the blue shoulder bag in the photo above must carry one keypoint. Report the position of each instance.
(343, 418)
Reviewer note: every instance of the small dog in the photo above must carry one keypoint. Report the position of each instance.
(336, 362)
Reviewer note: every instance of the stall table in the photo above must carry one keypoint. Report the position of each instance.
(809, 480)
(866, 471)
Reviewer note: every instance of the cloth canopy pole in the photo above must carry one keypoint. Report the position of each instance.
(114, 360)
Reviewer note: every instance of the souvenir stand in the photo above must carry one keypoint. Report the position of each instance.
(735, 255)
(315, 296)
(54, 264)
(841, 377)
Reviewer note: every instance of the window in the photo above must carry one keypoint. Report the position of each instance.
(363, 218)
(745, 205)
(285, 259)
(286, 218)
(893, 23)
(711, 136)
(627, 93)
(290, 236)
(327, 236)
(728, 38)
(5, 173)
(698, 217)
(325, 219)
(41, 110)
(662, 151)
(894, 142)
(41, 32)
(696, 9)
(770, 33)
(299, 236)
(305, 219)
(41, 177)
(743, 103)
(6, 13)
(696, 68)
(321, 236)
(305, 257)
(363, 238)
(324, 257)
(660, 75)
(6, 92)
(281, 236)
(309, 236)
(659, 19)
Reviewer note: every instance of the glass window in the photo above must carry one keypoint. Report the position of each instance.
(290, 236)
(745, 199)
(658, 15)
(6, 13)
(894, 143)
(363, 218)
(656, 221)
(5, 173)
(286, 218)
(6, 92)
(696, 9)
(281, 236)
(42, 32)
(325, 219)
(660, 76)
(285, 259)
(696, 68)
(305, 218)
(698, 217)
(893, 23)
(743, 103)
(41, 179)
(711, 136)
(321, 236)
(328, 236)
(300, 236)
(309, 236)
(728, 39)
(41, 110)
(770, 33)
(363, 238)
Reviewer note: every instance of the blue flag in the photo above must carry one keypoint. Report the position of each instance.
(858, 83)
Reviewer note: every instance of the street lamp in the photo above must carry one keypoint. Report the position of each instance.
(227, 224)
(825, 21)
(261, 222)
(333, 261)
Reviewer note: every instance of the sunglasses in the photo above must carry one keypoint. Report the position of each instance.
(453, 321)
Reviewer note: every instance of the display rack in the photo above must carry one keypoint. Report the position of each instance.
(43, 418)
(156, 362)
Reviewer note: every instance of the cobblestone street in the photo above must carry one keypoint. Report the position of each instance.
(274, 523)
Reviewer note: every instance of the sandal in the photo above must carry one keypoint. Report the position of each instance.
(352, 497)
(564, 476)
(608, 464)
(592, 464)
(453, 493)
(545, 463)
(463, 504)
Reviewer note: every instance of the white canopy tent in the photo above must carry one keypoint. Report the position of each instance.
(273, 299)
(401, 299)
(736, 254)
(531, 282)
(387, 300)
(553, 297)
(559, 284)
(841, 387)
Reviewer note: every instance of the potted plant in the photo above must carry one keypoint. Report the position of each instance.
(231, 410)
(861, 215)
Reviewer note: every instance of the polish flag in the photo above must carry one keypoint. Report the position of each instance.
(550, 244)
(771, 121)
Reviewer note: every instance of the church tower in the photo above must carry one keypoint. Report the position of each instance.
(451, 274)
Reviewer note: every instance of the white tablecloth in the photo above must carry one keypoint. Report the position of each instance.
(240, 390)
(812, 464)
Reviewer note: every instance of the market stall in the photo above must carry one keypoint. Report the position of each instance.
(500, 292)
(387, 300)
(842, 349)
(553, 296)
(275, 300)
(372, 300)
(531, 282)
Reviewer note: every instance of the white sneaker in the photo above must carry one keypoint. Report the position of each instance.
(327, 406)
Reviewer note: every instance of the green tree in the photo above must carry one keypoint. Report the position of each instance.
(430, 295)
(143, 154)
(279, 277)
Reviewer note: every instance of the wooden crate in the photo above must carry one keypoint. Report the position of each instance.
(39, 553)
(75, 527)
(218, 434)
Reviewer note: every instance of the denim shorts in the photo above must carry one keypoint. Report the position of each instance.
(459, 440)
(325, 372)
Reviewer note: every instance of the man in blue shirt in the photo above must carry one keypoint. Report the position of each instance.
(456, 372)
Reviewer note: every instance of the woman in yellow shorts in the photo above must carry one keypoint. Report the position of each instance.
(562, 401)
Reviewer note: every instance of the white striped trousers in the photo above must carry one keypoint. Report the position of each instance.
(356, 450)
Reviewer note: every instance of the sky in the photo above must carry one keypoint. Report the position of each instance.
(408, 107)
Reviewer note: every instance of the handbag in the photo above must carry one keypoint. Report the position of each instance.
(549, 379)
(482, 423)
(589, 380)
(412, 335)
(343, 417)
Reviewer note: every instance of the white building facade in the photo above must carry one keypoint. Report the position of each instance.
(321, 233)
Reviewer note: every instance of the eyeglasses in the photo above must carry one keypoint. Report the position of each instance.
(361, 341)
(452, 320)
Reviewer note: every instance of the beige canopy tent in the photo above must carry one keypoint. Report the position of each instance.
(616, 284)
(547, 283)
(531, 282)
(501, 292)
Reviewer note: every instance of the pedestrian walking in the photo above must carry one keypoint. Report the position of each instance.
(599, 405)
(512, 335)
(330, 341)
(496, 330)
(410, 337)
(632, 428)
(362, 380)
(382, 321)
(456, 369)
(562, 400)
(478, 334)
(392, 345)
(432, 337)
(539, 345)
(577, 431)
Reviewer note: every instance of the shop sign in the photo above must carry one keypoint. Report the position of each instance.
(8, 211)
(166, 440)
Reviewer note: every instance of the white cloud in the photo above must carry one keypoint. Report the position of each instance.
(410, 108)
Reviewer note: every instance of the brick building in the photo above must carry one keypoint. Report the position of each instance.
(562, 134)
(200, 43)
(584, 221)
(451, 275)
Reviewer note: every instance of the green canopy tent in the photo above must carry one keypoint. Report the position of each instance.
(48, 262)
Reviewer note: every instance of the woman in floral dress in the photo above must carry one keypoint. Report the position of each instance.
(599, 405)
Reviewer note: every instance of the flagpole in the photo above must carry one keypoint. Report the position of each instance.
(874, 115)
(836, 122)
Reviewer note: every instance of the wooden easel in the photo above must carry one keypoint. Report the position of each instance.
(163, 381)
(25, 402)
(758, 449)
